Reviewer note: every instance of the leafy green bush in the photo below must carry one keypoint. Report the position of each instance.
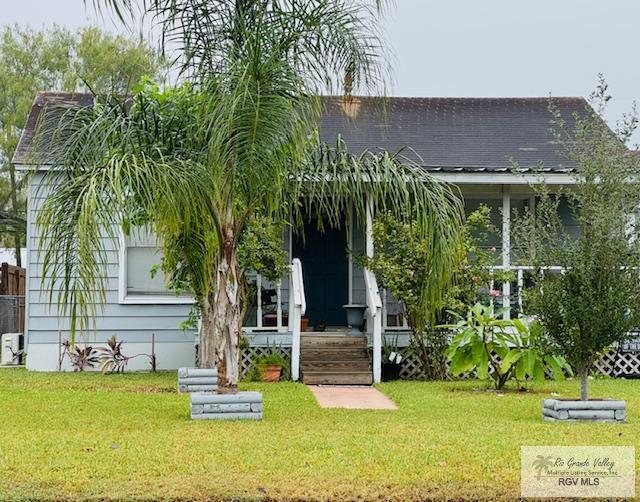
(474, 275)
(403, 263)
(273, 359)
(513, 348)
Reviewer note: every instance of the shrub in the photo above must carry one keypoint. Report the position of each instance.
(513, 348)
(402, 262)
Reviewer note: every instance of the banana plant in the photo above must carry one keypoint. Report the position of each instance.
(511, 348)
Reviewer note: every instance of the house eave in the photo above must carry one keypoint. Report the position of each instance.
(458, 177)
(504, 178)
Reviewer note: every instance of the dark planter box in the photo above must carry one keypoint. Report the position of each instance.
(390, 372)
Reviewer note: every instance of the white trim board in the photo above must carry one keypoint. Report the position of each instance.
(126, 299)
(457, 177)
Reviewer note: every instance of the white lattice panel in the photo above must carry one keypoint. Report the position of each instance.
(251, 353)
(612, 363)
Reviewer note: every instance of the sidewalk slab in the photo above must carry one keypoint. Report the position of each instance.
(355, 398)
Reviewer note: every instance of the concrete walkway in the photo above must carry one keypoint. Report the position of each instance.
(356, 398)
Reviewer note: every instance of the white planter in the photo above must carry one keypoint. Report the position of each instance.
(197, 380)
(596, 410)
(239, 406)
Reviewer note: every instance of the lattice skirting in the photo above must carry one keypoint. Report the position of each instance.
(251, 353)
(619, 364)
(613, 363)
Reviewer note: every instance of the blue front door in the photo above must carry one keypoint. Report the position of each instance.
(324, 270)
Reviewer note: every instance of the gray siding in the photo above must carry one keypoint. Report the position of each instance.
(131, 323)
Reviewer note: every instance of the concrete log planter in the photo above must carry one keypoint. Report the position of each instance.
(593, 410)
(240, 406)
(197, 380)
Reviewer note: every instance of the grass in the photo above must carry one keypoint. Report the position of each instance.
(80, 436)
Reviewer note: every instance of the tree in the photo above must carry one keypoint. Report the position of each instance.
(56, 59)
(476, 280)
(235, 143)
(595, 301)
(402, 261)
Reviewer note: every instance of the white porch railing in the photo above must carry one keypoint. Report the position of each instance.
(394, 318)
(297, 308)
(257, 325)
(393, 309)
(519, 271)
(374, 320)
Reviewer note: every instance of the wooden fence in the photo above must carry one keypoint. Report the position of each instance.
(12, 287)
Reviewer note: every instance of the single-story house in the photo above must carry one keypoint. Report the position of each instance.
(470, 142)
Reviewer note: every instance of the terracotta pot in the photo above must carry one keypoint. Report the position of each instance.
(270, 372)
(304, 324)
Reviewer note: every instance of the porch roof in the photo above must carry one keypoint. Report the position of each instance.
(475, 135)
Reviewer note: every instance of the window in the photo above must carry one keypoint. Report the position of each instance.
(139, 254)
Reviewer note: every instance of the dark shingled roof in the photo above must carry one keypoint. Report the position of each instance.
(442, 134)
(57, 103)
(455, 134)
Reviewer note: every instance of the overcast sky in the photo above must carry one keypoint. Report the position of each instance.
(471, 47)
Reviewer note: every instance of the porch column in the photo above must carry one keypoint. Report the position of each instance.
(375, 313)
(506, 248)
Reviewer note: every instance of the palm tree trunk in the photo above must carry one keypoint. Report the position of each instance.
(584, 384)
(206, 349)
(226, 320)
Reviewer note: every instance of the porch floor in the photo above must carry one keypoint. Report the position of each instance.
(355, 398)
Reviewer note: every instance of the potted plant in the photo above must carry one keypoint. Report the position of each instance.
(270, 366)
(391, 359)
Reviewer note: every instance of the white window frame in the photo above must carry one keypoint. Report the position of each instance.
(127, 299)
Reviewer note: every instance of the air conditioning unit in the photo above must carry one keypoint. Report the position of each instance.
(11, 349)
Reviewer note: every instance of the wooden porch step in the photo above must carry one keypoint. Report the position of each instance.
(335, 358)
(338, 377)
(335, 353)
(333, 340)
(330, 365)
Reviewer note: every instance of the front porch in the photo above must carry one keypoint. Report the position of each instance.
(325, 276)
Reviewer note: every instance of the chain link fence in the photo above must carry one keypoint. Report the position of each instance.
(11, 313)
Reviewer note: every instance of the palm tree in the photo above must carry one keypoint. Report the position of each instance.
(542, 463)
(237, 141)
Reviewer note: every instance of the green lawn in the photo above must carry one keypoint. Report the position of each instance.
(129, 436)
